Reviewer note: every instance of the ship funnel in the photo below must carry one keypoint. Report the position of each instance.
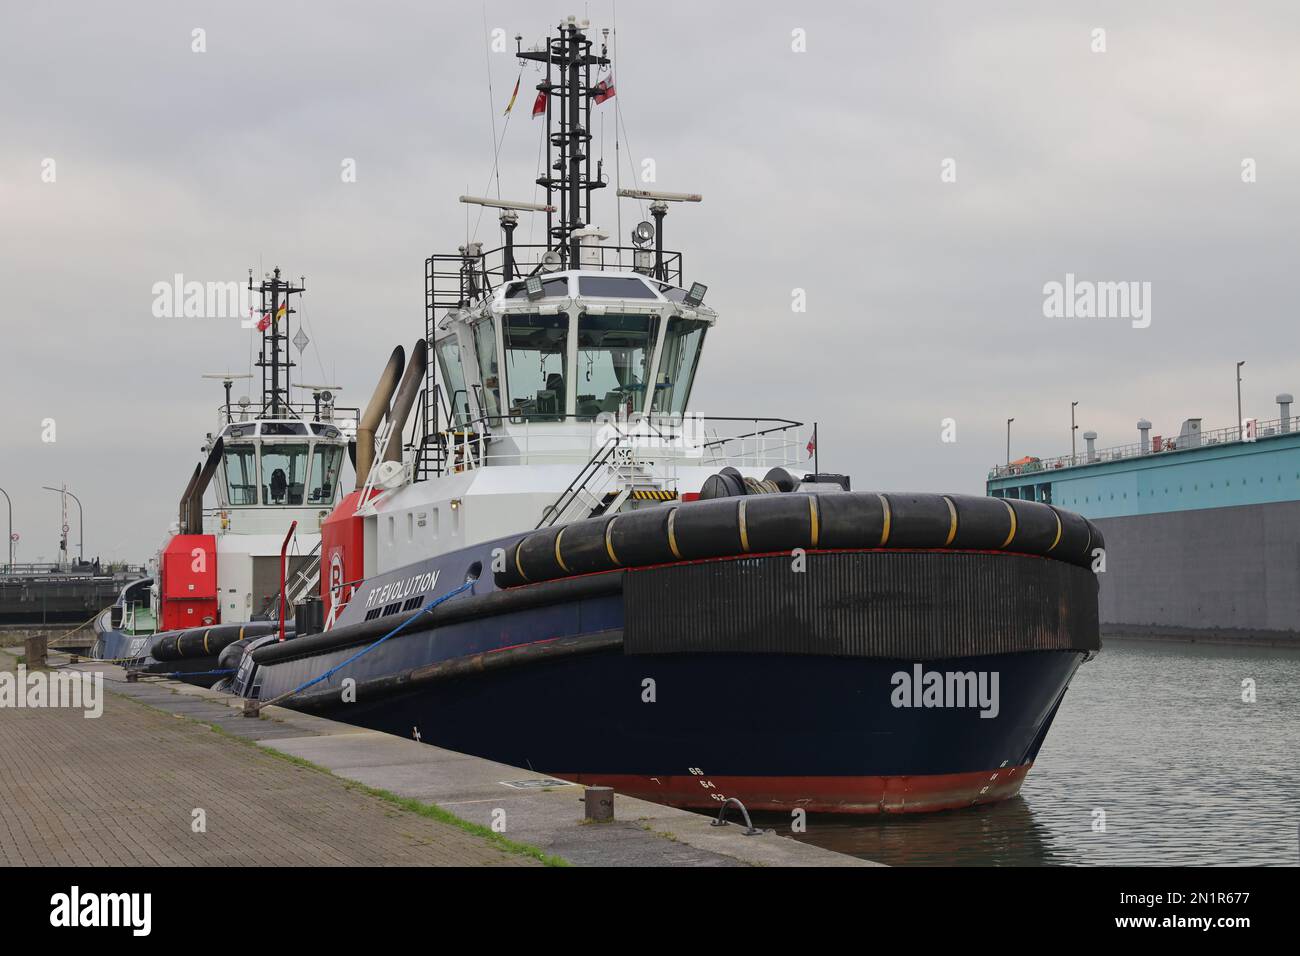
(1284, 408)
(407, 392)
(1144, 436)
(375, 412)
(1091, 439)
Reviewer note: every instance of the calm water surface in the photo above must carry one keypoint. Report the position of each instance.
(1157, 736)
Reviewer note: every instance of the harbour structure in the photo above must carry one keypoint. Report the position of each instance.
(1201, 526)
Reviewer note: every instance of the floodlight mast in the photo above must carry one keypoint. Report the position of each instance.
(659, 209)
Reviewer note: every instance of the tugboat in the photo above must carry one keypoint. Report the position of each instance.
(224, 574)
(571, 570)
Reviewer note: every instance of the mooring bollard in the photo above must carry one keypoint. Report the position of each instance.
(599, 802)
(74, 659)
(132, 677)
(250, 708)
(35, 650)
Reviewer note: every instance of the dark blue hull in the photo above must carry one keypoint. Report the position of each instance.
(818, 730)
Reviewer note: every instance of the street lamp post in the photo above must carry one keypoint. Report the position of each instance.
(11, 528)
(81, 522)
(1073, 428)
(1009, 421)
(1239, 365)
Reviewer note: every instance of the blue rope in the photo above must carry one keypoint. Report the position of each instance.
(366, 650)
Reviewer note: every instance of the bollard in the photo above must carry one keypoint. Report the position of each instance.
(132, 677)
(74, 659)
(599, 803)
(250, 708)
(34, 651)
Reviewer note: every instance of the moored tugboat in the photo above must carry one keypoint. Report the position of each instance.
(220, 574)
(568, 569)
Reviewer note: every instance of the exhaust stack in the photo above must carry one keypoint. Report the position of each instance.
(407, 392)
(1284, 408)
(374, 414)
(1091, 439)
(1144, 436)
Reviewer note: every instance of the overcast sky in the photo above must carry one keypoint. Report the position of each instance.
(821, 170)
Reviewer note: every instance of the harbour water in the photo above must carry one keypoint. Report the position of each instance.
(1155, 735)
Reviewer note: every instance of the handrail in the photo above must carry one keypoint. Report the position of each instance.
(1270, 428)
(555, 509)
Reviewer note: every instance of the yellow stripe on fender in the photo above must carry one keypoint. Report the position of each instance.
(812, 519)
(558, 559)
(952, 515)
(1057, 539)
(609, 544)
(672, 535)
(206, 635)
(519, 567)
(744, 531)
(1011, 511)
(884, 530)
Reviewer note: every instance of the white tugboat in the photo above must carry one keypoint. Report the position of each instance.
(274, 469)
(532, 579)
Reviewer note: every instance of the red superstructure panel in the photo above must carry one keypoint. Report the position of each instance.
(342, 537)
(188, 586)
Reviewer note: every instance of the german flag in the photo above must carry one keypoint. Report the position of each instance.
(511, 104)
(281, 312)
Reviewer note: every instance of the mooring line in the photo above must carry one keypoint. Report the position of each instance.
(370, 647)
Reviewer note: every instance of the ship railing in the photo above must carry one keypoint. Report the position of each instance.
(328, 414)
(665, 442)
(1159, 445)
(455, 281)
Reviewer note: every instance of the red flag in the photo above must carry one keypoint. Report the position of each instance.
(812, 445)
(604, 90)
(539, 104)
(264, 322)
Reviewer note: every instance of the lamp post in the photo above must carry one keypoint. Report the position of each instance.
(81, 521)
(1009, 421)
(1239, 365)
(1073, 428)
(11, 528)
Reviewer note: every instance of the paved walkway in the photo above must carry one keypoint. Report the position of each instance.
(122, 790)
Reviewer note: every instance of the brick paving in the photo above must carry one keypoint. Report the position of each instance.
(120, 790)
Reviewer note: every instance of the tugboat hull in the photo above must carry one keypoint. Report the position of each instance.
(850, 679)
(777, 731)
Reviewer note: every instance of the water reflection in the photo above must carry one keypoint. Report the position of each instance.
(1154, 735)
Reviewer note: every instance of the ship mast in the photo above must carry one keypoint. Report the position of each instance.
(569, 93)
(274, 359)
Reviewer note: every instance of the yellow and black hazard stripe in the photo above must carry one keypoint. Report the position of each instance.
(655, 495)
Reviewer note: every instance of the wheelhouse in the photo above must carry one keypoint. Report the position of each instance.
(284, 463)
(579, 345)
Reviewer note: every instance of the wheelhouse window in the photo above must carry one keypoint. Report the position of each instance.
(614, 354)
(682, 347)
(325, 463)
(241, 474)
(453, 379)
(536, 365)
(284, 472)
(485, 344)
(614, 287)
